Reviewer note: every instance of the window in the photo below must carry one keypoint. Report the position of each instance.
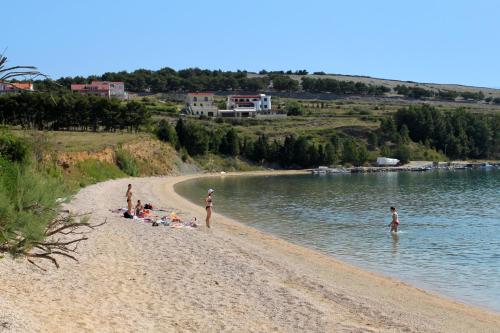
(206, 99)
(201, 104)
(195, 99)
(194, 104)
(265, 99)
(265, 106)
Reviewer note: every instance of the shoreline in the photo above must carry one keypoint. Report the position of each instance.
(380, 273)
(134, 277)
(439, 298)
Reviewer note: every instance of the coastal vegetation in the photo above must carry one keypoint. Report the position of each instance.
(45, 111)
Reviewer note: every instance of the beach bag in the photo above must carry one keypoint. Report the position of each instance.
(127, 215)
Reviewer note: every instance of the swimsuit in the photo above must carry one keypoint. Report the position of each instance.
(395, 220)
(209, 202)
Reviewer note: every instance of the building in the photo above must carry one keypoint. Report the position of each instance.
(261, 103)
(240, 112)
(101, 88)
(201, 104)
(15, 87)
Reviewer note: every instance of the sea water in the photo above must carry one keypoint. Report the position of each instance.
(449, 238)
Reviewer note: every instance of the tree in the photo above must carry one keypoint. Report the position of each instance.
(403, 153)
(166, 132)
(284, 83)
(11, 73)
(293, 108)
(373, 140)
(230, 145)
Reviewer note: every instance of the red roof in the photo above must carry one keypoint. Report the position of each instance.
(10, 86)
(201, 93)
(245, 96)
(22, 85)
(98, 86)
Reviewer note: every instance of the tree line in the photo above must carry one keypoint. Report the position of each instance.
(458, 134)
(196, 79)
(169, 80)
(198, 139)
(342, 87)
(44, 111)
(450, 95)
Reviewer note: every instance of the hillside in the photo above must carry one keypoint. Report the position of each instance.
(489, 92)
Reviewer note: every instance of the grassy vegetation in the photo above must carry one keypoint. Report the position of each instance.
(89, 172)
(62, 141)
(217, 163)
(126, 162)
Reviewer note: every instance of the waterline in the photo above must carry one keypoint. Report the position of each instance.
(450, 233)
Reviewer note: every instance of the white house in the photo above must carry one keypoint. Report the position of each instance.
(261, 103)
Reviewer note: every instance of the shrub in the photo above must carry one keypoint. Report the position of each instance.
(12, 148)
(293, 108)
(184, 155)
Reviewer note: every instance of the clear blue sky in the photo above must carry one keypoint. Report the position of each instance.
(430, 41)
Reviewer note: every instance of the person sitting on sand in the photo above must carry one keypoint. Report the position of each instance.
(395, 220)
(139, 208)
(208, 207)
(128, 195)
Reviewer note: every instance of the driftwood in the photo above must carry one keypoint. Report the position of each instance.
(62, 237)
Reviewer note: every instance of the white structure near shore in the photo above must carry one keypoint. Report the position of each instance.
(385, 161)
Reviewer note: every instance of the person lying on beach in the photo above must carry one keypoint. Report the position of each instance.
(139, 208)
(208, 207)
(395, 220)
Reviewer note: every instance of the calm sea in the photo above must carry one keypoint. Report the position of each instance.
(449, 239)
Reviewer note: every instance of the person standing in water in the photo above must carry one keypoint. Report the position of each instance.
(395, 220)
(128, 195)
(208, 207)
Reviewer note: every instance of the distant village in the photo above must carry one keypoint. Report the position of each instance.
(197, 103)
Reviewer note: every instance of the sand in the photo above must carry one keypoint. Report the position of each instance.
(133, 277)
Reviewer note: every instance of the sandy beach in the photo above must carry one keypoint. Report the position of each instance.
(132, 277)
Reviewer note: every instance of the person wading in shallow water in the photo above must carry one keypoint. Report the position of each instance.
(208, 207)
(395, 220)
(128, 195)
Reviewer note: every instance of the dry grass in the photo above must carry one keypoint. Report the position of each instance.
(63, 141)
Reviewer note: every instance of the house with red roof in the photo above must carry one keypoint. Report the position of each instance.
(261, 102)
(102, 89)
(15, 87)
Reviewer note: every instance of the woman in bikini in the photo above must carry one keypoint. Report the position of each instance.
(395, 220)
(128, 195)
(208, 207)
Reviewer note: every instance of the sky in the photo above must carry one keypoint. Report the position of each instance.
(441, 41)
